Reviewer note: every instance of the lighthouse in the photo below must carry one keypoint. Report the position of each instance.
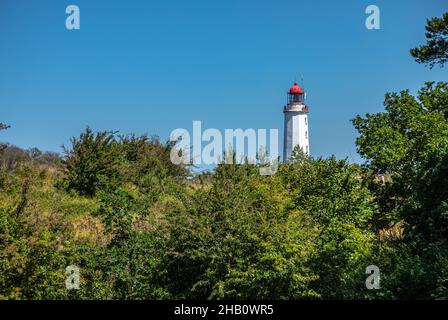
(296, 122)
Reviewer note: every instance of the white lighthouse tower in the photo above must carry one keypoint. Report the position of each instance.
(296, 122)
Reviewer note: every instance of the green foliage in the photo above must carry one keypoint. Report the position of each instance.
(235, 240)
(436, 49)
(334, 197)
(149, 167)
(93, 162)
(414, 276)
(409, 142)
(102, 161)
(273, 237)
(32, 257)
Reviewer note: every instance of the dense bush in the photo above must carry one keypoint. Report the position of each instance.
(237, 235)
(93, 162)
(104, 161)
(410, 142)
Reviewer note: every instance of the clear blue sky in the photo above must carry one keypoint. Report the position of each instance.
(153, 66)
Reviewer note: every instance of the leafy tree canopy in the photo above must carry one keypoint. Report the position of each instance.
(435, 51)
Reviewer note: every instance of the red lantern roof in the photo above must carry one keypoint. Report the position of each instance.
(295, 89)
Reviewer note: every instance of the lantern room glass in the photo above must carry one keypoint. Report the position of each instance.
(295, 98)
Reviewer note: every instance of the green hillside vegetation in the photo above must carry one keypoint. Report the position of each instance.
(138, 228)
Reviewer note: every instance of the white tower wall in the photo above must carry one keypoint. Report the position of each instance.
(296, 130)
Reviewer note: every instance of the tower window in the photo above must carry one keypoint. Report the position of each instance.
(306, 134)
(306, 122)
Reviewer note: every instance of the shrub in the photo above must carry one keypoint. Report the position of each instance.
(93, 163)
